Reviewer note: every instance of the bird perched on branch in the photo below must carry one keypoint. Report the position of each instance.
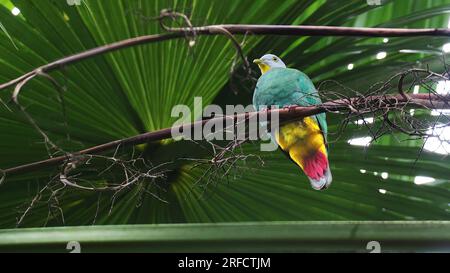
(303, 141)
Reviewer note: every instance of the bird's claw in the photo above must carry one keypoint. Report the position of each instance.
(290, 108)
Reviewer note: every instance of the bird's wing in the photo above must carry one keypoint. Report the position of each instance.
(308, 95)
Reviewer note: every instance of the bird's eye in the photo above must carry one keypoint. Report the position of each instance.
(274, 59)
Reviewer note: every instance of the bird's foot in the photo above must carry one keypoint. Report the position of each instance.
(290, 108)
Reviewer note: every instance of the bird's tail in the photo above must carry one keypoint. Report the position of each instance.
(317, 169)
(304, 143)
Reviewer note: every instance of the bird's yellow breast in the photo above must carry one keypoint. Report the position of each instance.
(301, 139)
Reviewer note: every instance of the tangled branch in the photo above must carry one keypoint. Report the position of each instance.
(82, 174)
(224, 161)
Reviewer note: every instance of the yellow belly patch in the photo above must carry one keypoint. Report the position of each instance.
(301, 139)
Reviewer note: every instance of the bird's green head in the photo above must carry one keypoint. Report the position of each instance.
(268, 61)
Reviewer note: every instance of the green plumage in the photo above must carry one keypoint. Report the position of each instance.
(285, 87)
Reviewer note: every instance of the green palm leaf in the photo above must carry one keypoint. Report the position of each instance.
(133, 90)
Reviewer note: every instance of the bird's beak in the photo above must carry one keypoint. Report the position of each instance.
(262, 66)
(257, 61)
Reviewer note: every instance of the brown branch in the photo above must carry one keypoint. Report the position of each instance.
(15, 98)
(320, 30)
(177, 33)
(430, 101)
(94, 52)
